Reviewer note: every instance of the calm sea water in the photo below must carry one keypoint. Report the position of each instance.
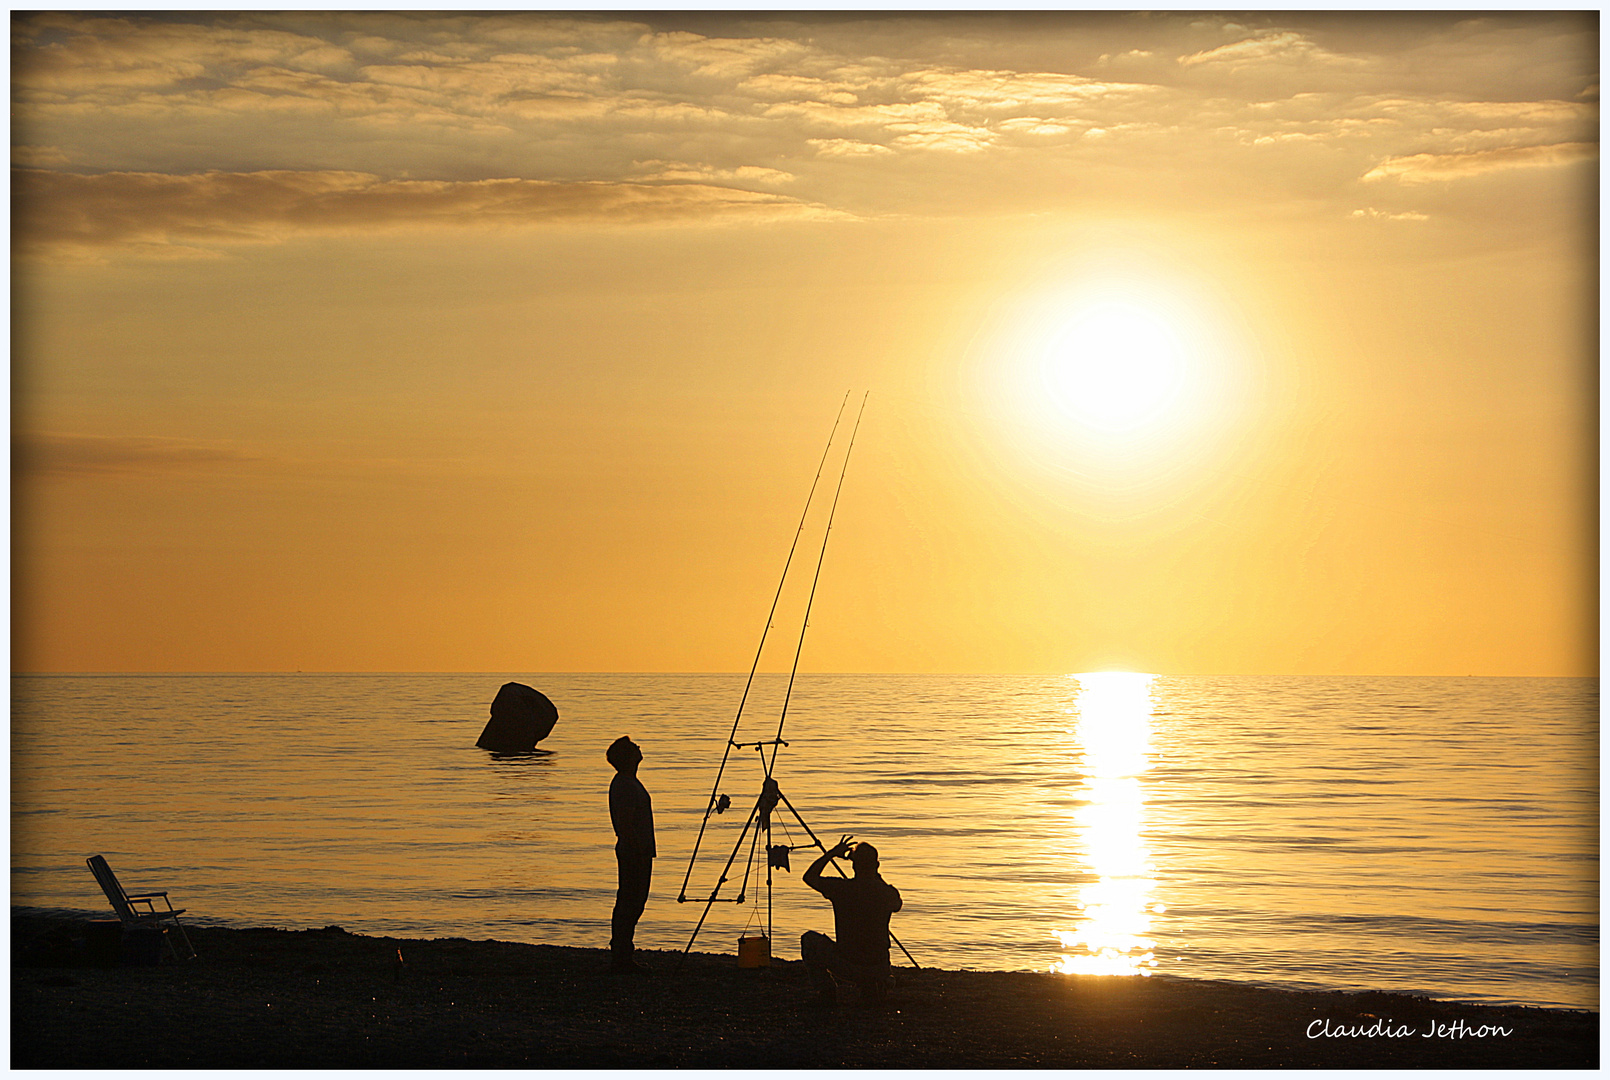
(1430, 835)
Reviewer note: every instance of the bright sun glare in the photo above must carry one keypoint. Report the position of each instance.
(1113, 735)
(1120, 366)
(1115, 366)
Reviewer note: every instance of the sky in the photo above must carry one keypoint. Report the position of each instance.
(1189, 343)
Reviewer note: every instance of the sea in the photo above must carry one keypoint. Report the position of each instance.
(1434, 836)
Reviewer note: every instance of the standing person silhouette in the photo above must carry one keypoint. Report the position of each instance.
(631, 812)
(861, 909)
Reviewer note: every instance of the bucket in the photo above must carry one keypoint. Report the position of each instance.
(754, 952)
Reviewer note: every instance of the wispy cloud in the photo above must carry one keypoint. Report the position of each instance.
(40, 157)
(1373, 214)
(1012, 92)
(724, 58)
(744, 174)
(56, 454)
(72, 212)
(67, 456)
(1425, 168)
(846, 148)
(1280, 47)
(187, 132)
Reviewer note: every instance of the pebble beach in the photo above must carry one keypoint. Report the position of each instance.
(326, 998)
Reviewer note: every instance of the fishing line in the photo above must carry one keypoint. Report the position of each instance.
(820, 558)
(716, 787)
(770, 794)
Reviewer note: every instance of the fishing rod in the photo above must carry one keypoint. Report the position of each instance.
(714, 805)
(777, 743)
(760, 818)
(811, 599)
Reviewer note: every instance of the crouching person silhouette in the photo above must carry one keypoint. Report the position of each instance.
(632, 814)
(861, 909)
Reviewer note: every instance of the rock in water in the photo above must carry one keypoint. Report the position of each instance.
(521, 718)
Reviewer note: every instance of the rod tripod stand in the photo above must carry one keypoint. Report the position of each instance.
(765, 809)
(760, 821)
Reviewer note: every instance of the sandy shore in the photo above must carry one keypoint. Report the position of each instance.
(329, 999)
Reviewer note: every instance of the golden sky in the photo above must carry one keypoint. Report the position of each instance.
(1194, 343)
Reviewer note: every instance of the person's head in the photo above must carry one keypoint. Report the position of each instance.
(864, 857)
(624, 754)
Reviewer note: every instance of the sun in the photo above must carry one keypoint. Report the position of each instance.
(1115, 366)
(1122, 375)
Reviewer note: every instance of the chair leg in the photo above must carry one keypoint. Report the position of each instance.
(173, 950)
(186, 937)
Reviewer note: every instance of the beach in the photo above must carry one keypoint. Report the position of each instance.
(326, 998)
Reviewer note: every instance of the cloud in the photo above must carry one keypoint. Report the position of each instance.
(800, 88)
(1035, 125)
(846, 148)
(943, 135)
(530, 117)
(58, 212)
(723, 58)
(1373, 214)
(38, 156)
(50, 454)
(43, 455)
(881, 116)
(920, 125)
(1425, 168)
(955, 110)
(1279, 47)
(77, 52)
(744, 174)
(1008, 91)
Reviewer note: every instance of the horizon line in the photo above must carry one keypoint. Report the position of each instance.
(740, 674)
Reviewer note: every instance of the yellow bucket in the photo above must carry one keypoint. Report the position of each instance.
(754, 952)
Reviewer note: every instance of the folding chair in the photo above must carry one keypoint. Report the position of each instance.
(123, 904)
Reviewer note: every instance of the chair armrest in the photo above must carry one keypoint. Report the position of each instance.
(150, 904)
(144, 895)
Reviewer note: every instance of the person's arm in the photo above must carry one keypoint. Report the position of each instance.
(645, 824)
(629, 813)
(813, 873)
(619, 815)
(640, 819)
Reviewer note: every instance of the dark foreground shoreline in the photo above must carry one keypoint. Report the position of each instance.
(280, 999)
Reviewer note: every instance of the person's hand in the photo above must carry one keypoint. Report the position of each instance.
(842, 848)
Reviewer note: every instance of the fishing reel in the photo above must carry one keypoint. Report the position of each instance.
(770, 795)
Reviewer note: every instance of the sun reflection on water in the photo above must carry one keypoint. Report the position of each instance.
(1114, 738)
